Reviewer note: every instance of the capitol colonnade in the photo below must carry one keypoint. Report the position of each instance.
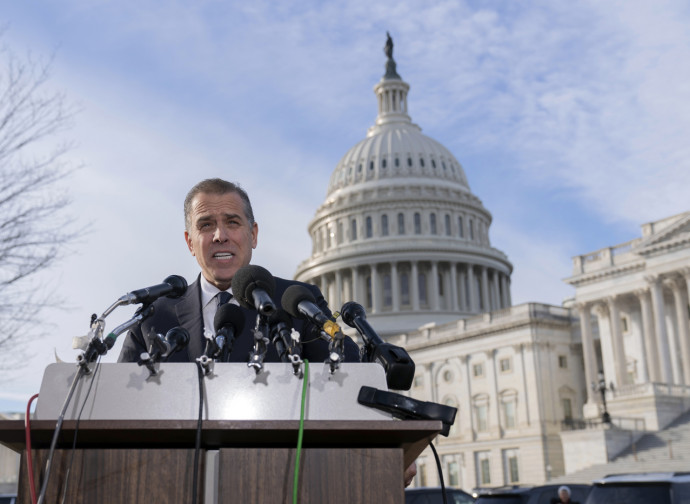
(416, 285)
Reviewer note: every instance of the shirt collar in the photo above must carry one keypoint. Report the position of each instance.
(209, 291)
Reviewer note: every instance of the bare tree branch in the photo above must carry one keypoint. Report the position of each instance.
(34, 225)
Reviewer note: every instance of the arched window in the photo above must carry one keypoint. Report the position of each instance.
(369, 227)
(409, 161)
(471, 229)
(340, 233)
(447, 221)
(417, 223)
(401, 224)
(384, 225)
(353, 229)
(432, 223)
(461, 231)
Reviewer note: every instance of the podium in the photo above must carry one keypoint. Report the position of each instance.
(360, 458)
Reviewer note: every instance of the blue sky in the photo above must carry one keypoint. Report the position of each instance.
(570, 119)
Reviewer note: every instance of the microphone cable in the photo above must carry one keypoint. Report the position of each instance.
(300, 433)
(44, 487)
(440, 473)
(76, 428)
(197, 445)
(29, 457)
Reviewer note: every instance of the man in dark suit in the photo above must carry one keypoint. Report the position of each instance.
(220, 232)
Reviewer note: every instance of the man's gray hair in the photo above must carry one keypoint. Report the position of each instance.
(216, 186)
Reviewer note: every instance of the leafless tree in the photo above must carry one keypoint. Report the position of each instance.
(34, 226)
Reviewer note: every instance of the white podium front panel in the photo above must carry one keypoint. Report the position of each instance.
(232, 392)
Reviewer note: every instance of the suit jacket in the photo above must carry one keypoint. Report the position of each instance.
(186, 312)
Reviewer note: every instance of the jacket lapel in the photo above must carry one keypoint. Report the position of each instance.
(188, 312)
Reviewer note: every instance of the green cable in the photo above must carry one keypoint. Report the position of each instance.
(301, 431)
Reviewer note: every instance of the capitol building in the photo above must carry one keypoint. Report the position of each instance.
(401, 233)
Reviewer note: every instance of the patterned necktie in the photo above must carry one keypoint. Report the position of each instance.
(223, 298)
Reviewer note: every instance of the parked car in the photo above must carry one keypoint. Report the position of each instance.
(433, 495)
(642, 488)
(8, 498)
(542, 494)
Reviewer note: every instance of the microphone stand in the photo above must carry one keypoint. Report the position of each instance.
(261, 331)
(95, 348)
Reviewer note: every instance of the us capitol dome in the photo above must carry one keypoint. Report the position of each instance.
(400, 231)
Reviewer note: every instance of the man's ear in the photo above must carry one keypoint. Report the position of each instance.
(255, 234)
(188, 240)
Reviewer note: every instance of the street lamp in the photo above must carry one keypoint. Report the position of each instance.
(602, 388)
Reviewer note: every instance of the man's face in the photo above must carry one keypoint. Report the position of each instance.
(220, 236)
(564, 496)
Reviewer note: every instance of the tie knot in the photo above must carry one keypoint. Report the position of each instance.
(224, 297)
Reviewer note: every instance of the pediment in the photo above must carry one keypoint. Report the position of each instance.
(675, 231)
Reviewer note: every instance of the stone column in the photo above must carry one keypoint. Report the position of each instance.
(453, 287)
(504, 291)
(651, 351)
(660, 326)
(508, 297)
(415, 286)
(463, 302)
(680, 298)
(495, 298)
(588, 352)
(608, 364)
(325, 287)
(617, 340)
(466, 410)
(434, 286)
(355, 286)
(338, 298)
(485, 289)
(519, 363)
(395, 286)
(374, 290)
(494, 409)
(474, 296)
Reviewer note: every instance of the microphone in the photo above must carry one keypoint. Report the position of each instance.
(228, 323)
(163, 347)
(176, 338)
(173, 287)
(395, 360)
(280, 325)
(299, 302)
(253, 287)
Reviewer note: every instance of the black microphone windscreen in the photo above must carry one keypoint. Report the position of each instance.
(178, 338)
(279, 316)
(293, 296)
(229, 314)
(248, 278)
(179, 285)
(350, 311)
